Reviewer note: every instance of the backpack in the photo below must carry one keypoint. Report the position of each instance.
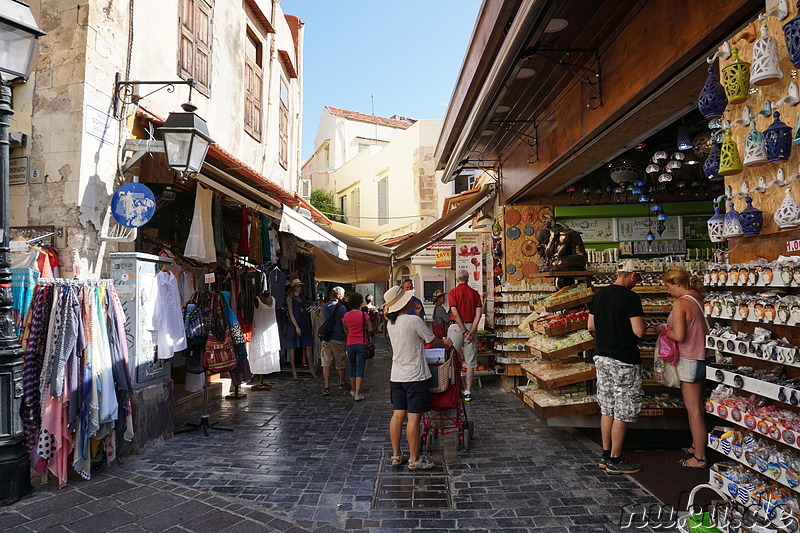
(326, 329)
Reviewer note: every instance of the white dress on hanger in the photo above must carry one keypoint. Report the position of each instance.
(200, 244)
(265, 344)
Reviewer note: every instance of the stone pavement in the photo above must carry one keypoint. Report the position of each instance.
(301, 461)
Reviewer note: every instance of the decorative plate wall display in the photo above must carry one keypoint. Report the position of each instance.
(513, 233)
(520, 254)
(512, 216)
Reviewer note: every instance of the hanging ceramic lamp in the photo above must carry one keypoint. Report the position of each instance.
(729, 162)
(736, 79)
(752, 219)
(732, 226)
(791, 31)
(754, 155)
(715, 226)
(711, 164)
(778, 140)
(788, 213)
(712, 101)
(766, 68)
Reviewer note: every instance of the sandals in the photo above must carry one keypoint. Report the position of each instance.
(399, 460)
(344, 386)
(702, 463)
(326, 391)
(689, 450)
(423, 463)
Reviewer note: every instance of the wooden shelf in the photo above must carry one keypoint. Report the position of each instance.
(641, 289)
(754, 423)
(560, 330)
(541, 308)
(657, 309)
(578, 376)
(566, 273)
(589, 407)
(564, 352)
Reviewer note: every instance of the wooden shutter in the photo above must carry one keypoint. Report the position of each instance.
(186, 48)
(202, 34)
(382, 202)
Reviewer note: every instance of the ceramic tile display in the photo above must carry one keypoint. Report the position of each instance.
(521, 223)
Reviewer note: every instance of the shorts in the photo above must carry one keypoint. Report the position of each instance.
(619, 388)
(334, 350)
(692, 370)
(412, 396)
(468, 349)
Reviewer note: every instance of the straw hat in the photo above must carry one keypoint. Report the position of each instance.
(296, 281)
(396, 299)
(436, 294)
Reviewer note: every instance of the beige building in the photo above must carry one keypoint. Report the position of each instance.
(247, 60)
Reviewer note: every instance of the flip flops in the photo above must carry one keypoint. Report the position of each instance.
(326, 391)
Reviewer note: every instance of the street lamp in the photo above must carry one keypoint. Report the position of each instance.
(186, 140)
(18, 36)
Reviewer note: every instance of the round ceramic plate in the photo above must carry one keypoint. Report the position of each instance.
(529, 215)
(511, 269)
(512, 216)
(519, 276)
(528, 230)
(513, 233)
(544, 214)
(528, 248)
(529, 269)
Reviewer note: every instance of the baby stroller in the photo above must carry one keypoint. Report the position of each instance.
(448, 412)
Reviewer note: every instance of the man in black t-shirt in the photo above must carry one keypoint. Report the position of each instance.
(617, 319)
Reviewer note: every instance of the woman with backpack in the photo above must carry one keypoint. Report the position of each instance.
(357, 330)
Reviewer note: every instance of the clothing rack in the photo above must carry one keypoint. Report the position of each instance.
(205, 419)
(74, 282)
(33, 234)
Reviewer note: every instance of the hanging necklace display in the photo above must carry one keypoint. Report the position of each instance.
(787, 214)
(732, 226)
(791, 32)
(715, 226)
(766, 68)
(729, 162)
(736, 79)
(711, 164)
(754, 155)
(778, 140)
(752, 219)
(712, 101)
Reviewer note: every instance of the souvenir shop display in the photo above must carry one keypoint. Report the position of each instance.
(32, 256)
(76, 377)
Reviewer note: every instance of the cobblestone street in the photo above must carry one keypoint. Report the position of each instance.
(300, 461)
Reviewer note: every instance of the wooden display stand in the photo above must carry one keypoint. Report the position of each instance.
(564, 352)
(560, 330)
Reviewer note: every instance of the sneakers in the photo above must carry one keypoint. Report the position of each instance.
(358, 397)
(352, 392)
(603, 462)
(467, 396)
(623, 467)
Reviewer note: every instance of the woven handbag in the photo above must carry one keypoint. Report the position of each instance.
(369, 347)
(440, 377)
(219, 354)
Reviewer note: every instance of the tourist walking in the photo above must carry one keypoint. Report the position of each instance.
(333, 350)
(357, 330)
(465, 315)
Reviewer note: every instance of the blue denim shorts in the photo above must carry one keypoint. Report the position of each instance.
(691, 370)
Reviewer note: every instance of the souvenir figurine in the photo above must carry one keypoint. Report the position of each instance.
(766, 275)
(769, 313)
(783, 313)
(731, 307)
(723, 276)
(786, 274)
(743, 275)
(795, 313)
(708, 306)
(715, 276)
(743, 310)
(796, 275)
(707, 278)
(758, 311)
(752, 276)
(717, 309)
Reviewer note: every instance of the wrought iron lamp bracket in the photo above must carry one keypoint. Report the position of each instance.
(124, 90)
(588, 76)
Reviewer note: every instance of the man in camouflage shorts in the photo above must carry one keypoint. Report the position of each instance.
(617, 319)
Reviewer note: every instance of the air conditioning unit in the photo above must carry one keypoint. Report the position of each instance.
(305, 188)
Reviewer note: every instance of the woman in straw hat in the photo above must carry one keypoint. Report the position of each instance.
(409, 378)
(441, 317)
(298, 331)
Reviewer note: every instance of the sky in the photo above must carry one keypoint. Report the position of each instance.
(407, 54)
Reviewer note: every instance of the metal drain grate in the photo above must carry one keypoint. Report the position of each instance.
(399, 488)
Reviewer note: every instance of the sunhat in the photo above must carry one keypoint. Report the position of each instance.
(436, 294)
(296, 281)
(396, 298)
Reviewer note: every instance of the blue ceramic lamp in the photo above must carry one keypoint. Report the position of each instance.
(712, 101)
(778, 140)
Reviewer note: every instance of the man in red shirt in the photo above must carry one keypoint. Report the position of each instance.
(465, 314)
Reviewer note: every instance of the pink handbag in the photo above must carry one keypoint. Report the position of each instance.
(667, 349)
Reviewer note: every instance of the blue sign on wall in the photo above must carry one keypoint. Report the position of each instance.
(133, 205)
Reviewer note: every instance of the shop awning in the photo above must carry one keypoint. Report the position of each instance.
(353, 230)
(302, 228)
(444, 225)
(367, 261)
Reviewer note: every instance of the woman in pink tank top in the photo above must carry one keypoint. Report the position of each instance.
(687, 326)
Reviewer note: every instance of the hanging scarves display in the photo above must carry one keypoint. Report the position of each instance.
(76, 377)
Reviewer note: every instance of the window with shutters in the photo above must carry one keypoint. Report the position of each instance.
(283, 126)
(253, 85)
(343, 207)
(194, 59)
(383, 207)
(356, 207)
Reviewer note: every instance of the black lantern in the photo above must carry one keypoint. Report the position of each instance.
(186, 140)
(18, 35)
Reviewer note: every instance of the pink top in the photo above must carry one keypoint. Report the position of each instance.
(354, 320)
(693, 345)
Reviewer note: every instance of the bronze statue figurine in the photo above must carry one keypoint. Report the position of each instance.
(561, 248)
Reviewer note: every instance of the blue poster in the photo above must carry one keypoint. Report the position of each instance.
(133, 205)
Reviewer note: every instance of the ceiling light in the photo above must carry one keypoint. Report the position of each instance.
(486, 133)
(502, 109)
(692, 162)
(525, 73)
(555, 25)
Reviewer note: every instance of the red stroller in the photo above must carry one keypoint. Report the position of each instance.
(448, 412)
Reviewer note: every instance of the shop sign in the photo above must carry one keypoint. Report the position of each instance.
(100, 125)
(695, 227)
(18, 170)
(444, 258)
(793, 246)
(635, 228)
(593, 229)
(469, 257)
